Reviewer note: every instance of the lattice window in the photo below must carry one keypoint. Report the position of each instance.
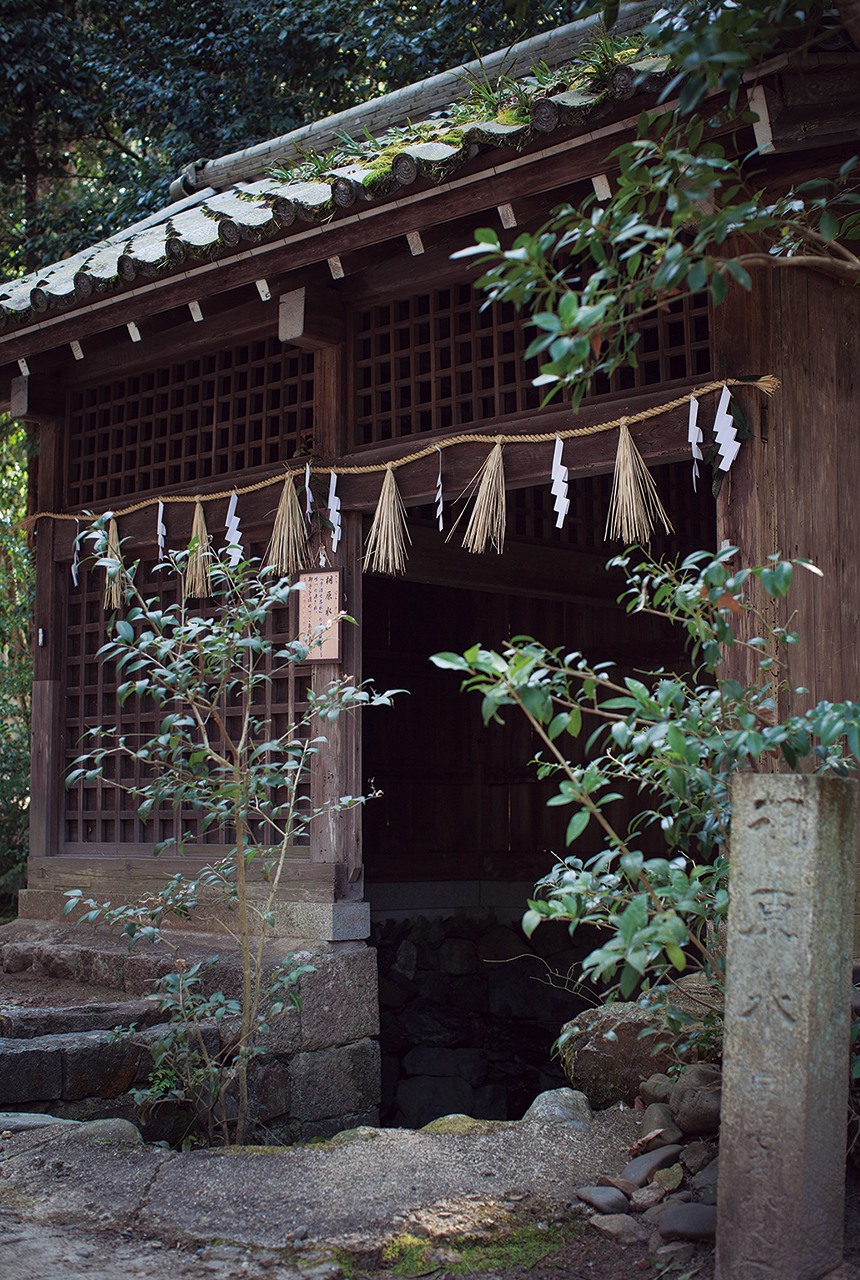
(99, 812)
(222, 414)
(437, 361)
(531, 518)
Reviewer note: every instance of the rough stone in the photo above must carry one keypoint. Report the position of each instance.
(670, 1178)
(425, 1098)
(501, 943)
(705, 1183)
(672, 1253)
(457, 955)
(26, 1024)
(621, 1227)
(269, 1090)
(516, 994)
(604, 1199)
(646, 1197)
(606, 1056)
(340, 1003)
(111, 1130)
(17, 956)
(782, 1140)
(406, 960)
(696, 1155)
(656, 1088)
(688, 1222)
(659, 1116)
(95, 1067)
(624, 1185)
(30, 1071)
(340, 1081)
(696, 1097)
(23, 1121)
(562, 1106)
(426, 1061)
(642, 1168)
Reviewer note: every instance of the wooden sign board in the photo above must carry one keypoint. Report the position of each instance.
(319, 604)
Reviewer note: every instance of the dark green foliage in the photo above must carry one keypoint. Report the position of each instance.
(104, 104)
(16, 667)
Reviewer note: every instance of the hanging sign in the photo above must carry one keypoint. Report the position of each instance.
(319, 605)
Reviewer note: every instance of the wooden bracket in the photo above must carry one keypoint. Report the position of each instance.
(311, 318)
(36, 399)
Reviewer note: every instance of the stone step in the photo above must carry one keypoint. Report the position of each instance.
(25, 1023)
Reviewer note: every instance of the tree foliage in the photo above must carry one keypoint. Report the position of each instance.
(104, 104)
(678, 740)
(688, 212)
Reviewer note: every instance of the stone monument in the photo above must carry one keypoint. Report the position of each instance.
(785, 1085)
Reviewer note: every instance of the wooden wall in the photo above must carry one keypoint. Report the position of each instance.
(794, 487)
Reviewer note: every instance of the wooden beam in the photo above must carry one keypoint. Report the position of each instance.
(311, 318)
(36, 399)
(523, 569)
(661, 439)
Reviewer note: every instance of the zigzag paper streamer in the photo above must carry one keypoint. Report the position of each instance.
(439, 502)
(160, 530)
(334, 511)
(76, 558)
(309, 497)
(694, 438)
(561, 506)
(235, 549)
(725, 433)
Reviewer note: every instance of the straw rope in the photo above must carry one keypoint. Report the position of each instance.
(767, 384)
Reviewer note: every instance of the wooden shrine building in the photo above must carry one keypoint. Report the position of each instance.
(259, 320)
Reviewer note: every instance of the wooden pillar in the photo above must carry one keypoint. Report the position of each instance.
(336, 837)
(46, 768)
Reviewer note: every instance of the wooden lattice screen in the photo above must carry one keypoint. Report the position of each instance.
(438, 360)
(99, 812)
(223, 414)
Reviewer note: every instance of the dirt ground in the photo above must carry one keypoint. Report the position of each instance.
(69, 1211)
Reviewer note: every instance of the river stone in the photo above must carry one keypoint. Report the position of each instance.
(659, 1116)
(114, 1130)
(606, 1055)
(604, 1199)
(623, 1185)
(656, 1088)
(621, 1227)
(643, 1168)
(688, 1222)
(670, 1179)
(695, 1100)
(562, 1106)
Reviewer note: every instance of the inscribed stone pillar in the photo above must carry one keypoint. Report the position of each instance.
(783, 1131)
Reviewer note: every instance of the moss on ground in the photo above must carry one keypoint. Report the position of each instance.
(408, 1256)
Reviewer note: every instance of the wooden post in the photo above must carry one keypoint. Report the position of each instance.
(46, 767)
(336, 837)
(781, 1190)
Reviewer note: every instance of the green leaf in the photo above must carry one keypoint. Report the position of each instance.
(829, 226)
(577, 825)
(719, 288)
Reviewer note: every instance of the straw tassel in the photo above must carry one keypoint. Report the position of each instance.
(487, 521)
(634, 507)
(386, 542)
(113, 584)
(197, 578)
(288, 549)
(768, 384)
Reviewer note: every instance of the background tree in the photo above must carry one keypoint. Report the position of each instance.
(102, 105)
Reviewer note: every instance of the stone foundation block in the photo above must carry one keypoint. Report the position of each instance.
(95, 1068)
(328, 1128)
(29, 1072)
(336, 1082)
(340, 1000)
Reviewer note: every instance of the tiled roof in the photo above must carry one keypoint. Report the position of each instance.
(213, 224)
